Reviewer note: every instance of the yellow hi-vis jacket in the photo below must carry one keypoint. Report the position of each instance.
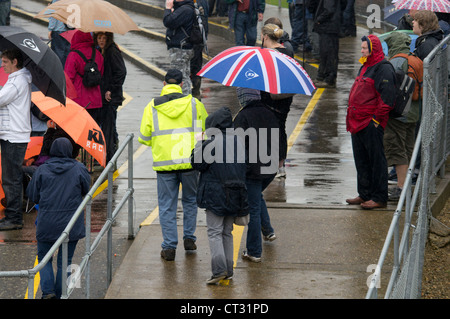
(169, 125)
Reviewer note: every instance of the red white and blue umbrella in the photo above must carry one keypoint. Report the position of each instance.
(432, 5)
(258, 68)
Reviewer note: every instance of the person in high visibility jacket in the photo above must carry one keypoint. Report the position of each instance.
(169, 124)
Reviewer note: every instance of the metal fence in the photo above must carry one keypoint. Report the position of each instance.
(84, 265)
(432, 144)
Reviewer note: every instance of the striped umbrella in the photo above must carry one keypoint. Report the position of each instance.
(258, 68)
(432, 5)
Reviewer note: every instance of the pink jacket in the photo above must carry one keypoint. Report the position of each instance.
(89, 98)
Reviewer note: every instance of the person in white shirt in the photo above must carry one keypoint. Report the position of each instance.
(15, 129)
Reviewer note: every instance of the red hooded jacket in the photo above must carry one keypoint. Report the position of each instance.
(89, 98)
(372, 95)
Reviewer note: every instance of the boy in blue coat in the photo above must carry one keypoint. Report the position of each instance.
(58, 186)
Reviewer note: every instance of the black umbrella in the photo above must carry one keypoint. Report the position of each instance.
(43, 64)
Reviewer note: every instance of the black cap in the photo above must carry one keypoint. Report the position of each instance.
(173, 76)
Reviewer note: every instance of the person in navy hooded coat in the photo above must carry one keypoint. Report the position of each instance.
(58, 186)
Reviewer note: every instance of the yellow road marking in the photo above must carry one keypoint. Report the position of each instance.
(36, 281)
(304, 118)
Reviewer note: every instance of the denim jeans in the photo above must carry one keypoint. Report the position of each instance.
(168, 186)
(300, 28)
(220, 243)
(50, 285)
(5, 8)
(245, 27)
(259, 215)
(12, 179)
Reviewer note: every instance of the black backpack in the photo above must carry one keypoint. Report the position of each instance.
(404, 89)
(198, 33)
(92, 76)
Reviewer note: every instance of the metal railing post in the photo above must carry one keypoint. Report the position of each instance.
(130, 187)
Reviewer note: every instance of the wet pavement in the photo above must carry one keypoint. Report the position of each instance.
(324, 247)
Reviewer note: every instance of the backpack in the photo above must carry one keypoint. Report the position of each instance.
(198, 33)
(91, 76)
(404, 88)
(415, 70)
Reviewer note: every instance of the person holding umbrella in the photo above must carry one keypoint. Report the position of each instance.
(15, 129)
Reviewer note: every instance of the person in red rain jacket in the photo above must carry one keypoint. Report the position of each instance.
(370, 101)
(88, 97)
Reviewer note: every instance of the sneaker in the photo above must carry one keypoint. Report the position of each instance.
(246, 256)
(392, 178)
(270, 237)
(281, 172)
(394, 194)
(189, 244)
(9, 225)
(168, 254)
(215, 279)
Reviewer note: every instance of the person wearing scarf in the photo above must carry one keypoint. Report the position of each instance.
(371, 99)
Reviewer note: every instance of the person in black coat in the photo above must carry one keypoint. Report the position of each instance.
(58, 186)
(426, 26)
(111, 87)
(221, 189)
(178, 18)
(327, 25)
(261, 131)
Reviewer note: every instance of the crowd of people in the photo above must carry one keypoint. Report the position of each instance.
(182, 134)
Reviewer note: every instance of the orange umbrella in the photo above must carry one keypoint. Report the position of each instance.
(76, 122)
(90, 16)
(34, 146)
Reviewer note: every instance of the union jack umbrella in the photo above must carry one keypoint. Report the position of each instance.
(432, 5)
(258, 68)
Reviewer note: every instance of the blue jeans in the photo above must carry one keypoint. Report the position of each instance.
(168, 186)
(300, 28)
(48, 283)
(12, 179)
(259, 215)
(245, 27)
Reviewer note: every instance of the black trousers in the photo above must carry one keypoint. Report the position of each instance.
(371, 164)
(329, 57)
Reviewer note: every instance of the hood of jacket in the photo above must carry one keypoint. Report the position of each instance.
(220, 119)
(81, 39)
(376, 54)
(177, 4)
(61, 155)
(175, 103)
(398, 42)
(24, 72)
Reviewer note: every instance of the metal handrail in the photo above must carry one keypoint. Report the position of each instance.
(67, 287)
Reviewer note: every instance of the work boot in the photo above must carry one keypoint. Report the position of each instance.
(189, 244)
(168, 254)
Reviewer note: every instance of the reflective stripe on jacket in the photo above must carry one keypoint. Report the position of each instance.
(169, 125)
